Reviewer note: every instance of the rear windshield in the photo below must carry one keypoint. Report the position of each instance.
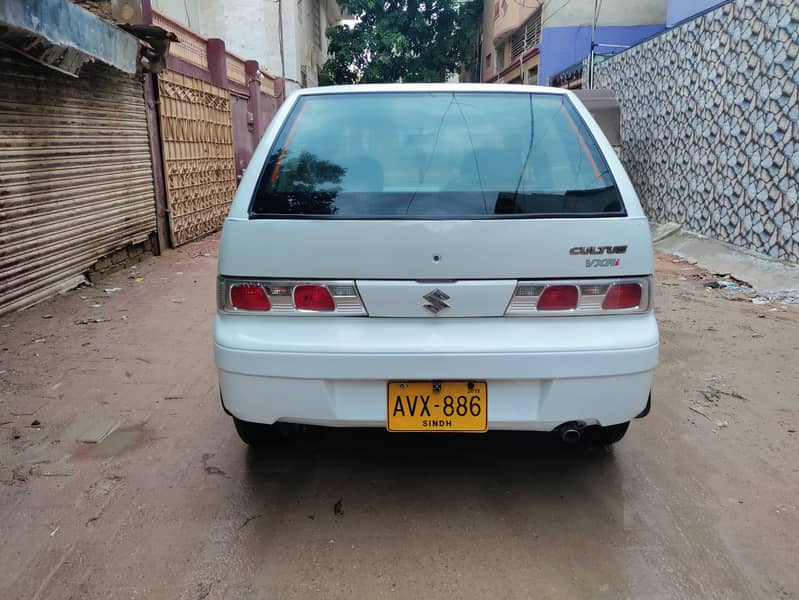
(469, 155)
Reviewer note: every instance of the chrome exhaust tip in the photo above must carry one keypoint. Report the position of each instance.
(570, 435)
(572, 432)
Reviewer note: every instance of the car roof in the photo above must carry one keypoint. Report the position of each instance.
(372, 88)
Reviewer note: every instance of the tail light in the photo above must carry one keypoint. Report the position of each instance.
(249, 296)
(622, 295)
(583, 297)
(338, 298)
(313, 297)
(559, 297)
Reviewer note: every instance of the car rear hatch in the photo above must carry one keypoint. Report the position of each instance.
(440, 204)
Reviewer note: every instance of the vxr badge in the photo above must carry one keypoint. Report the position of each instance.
(437, 301)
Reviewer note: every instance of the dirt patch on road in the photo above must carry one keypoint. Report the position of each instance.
(122, 440)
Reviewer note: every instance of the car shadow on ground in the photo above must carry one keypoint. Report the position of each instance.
(354, 512)
(413, 455)
(377, 472)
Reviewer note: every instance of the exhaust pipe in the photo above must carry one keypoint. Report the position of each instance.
(572, 432)
(570, 435)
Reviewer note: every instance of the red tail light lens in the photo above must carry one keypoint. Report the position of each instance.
(623, 295)
(313, 297)
(281, 297)
(594, 296)
(559, 297)
(249, 296)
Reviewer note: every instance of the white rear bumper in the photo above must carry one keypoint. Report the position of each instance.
(541, 372)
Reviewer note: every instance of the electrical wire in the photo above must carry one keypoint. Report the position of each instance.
(188, 17)
(539, 4)
(282, 52)
(565, 4)
(544, 5)
(591, 53)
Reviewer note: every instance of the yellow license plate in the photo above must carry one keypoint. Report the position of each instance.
(437, 406)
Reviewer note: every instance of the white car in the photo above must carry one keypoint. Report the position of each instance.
(436, 258)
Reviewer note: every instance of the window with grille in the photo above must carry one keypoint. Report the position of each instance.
(527, 36)
(532, 31)
(500, 54)
(517, 43)
(316, 19)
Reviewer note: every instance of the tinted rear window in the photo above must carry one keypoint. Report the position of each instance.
(435, 155)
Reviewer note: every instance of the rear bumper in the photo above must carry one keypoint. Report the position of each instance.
(541, 372)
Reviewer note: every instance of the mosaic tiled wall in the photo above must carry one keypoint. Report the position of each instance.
(710, 124)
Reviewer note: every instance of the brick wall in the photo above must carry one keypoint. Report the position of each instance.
(124, 257)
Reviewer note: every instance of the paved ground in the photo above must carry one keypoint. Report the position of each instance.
(699, 501)
(763, 273)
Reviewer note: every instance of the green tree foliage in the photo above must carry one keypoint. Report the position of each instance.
(397, 40)
(470, 17)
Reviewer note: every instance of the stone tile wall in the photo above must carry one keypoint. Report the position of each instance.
(710, 124)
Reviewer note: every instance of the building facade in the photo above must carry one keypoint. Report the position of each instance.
(511, 41)
(539, 42)
(252, 28)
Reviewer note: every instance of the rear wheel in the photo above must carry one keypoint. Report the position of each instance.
(605, 436)
(260, 434)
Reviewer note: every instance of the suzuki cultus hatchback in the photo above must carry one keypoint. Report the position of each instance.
(436, 258)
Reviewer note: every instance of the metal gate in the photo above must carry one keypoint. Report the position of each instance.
(75, 175)
(197, 142)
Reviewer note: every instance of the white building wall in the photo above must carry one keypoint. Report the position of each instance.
(185, 13)
(567, 13)
(250, 30)
(245, 27)
(309, 53)
(291, 33)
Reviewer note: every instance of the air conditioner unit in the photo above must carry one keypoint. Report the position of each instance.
(127, 11)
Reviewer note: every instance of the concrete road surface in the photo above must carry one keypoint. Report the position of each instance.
(698, 501)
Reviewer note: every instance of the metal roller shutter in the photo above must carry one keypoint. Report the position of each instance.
(76, 178)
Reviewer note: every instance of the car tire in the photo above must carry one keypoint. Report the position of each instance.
(258, 435)
(606, 436)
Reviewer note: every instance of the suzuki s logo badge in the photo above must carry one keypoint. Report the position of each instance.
(436, 301)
